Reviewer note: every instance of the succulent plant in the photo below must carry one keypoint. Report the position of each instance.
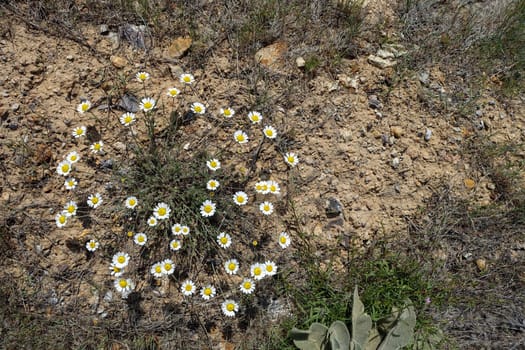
(393, 332)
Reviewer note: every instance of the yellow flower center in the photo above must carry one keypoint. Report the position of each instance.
(291, 159)
(130, 233)
(213, 164)
(175, 244)
(162, 211)
(84, 107)
(257, 271)
(282, 239)
(224, 240)
(70, 183)
(208, 208)
(142, 76)
(240, 199)
(92, 244)
(65, 168)
(116, 269)
(188, 287)
(140, 238)
(273, 188)
(62, 219)
(148, 105)
(230, 307)
(71, 209)
(94, 200)
(73, 158)
(80, 132)
(128, 119)
(231, 266)
(121, 259)
(269, 132)
(123, 283)
(254, 243)
(132, 202)
(152, 221)
(198, 109)
(167, 266)
(247, 285)
(269, 268)
(240, 137)
(227, 112)
(158, 269)
(186, 79)
(207, 291)
(266, 207)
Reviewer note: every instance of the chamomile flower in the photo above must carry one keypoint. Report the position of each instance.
(70, 208)
(131, 202)
(64, 167)
(207, 208)
(140, 238)
(152, 221)
(270, 132)
(175, 245)
(92, 245)
(240, 137)
(168, 266)
(83, 107)
(115, 271)
(79, 131)
(94, 200)
(284, 240)
(96, 147)
(173, 92)
(227, 112)
(61, 219)
(273, 187)
(257, 271)
(156, 270)
(120, 260)
(142, 76)
(73, 157)
(266, 208)
(224, 240)
(213, 164)
(229, 308)
(240, 198)
(70, 183)
(124, 286)
(127, 118)
(270, 268)
(291, 159)
(255, 117)
(185, 230)
(208, 292)
(212, 185)
(176, 229)
(198, 108)
(147, 104)
(247, 286)
(231, 266)
(188, 287)
(162, 211)
(187, 78)
(262, 187)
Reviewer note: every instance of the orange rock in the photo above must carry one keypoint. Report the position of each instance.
(469, 183)
(271, 55)
(179, 47)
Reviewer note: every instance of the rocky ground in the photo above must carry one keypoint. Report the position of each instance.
(371, 150)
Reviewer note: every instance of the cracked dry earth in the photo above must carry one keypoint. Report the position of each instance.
(361, 151)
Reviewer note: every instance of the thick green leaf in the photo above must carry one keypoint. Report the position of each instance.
(339, 336)
(403, 331)
(361, 323)
(311, 339)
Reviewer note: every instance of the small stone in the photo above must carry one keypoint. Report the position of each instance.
(379, 62)
(428, 134)
(423, 78)
(396, 131)
(481, 264)
(179, 47)
(374, 103)
(13, 126)
(490, 186)
(70, 57)
(114, 39)
(270, 56)
(384, 54)
(333, 207)
(479, 113)
(118, 62)
(397, 50)
(176, 71)
(395, 162)
(15, 107)
(300, 62)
